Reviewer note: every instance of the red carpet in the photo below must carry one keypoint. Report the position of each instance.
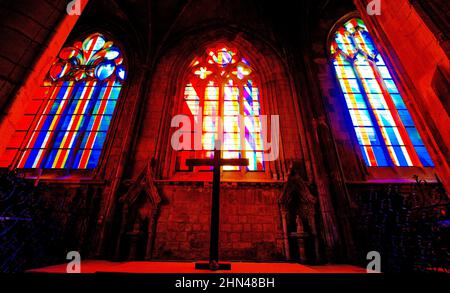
(93, 266)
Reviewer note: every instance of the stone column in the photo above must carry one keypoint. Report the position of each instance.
(284, 214)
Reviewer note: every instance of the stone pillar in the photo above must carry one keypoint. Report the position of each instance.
(153, 219)
(122, 231)
(301, 240)
(284, 214)
(134, 236)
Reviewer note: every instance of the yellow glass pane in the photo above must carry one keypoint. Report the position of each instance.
(193, 106)
(190, 93)
(212, 93)
(210, 123)
(231, 108)
(211, 108)
(231, 124)
(231, 93)
(252, 124)
(232, 142)
(253, 142)
(208, 141)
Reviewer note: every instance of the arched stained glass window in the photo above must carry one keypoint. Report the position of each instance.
(384, 128)
(75, 107)
(223, 85)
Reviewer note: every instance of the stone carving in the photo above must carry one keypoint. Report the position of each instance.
(299, 203)
(140, 211)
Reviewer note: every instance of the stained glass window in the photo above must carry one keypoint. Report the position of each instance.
(384, 128)
(74, 108)
(223, 85)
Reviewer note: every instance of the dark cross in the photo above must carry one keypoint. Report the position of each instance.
(217, 162)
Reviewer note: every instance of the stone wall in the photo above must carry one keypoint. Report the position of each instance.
(250, 223)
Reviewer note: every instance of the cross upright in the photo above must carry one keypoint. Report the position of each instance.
(217, 162)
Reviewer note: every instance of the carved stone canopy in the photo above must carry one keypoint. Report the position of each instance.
(297, 189)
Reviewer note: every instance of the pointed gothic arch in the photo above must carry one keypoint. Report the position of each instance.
(222, 94)
(278, 96)
(385, 131)
(67, 121)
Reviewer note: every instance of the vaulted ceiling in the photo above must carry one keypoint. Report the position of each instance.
(155, 22)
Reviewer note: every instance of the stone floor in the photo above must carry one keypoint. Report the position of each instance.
(93, 266)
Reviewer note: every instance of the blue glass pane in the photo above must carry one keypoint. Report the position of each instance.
(372, 86)
(391, 87)
(360, 118)
(62, 91)
(105, 70)
(47, 122)
(52, 156)
(406, 118)
(99, 139)
(72, 107)
(80, 91)
(30, 161)
(55, 106)
(398, 101)
(349, 85)
(93, 159)
(414, 136)
(76, 162)
(392, 136)
(115, 91)
(65, 122)
(41, 136)
(69, 135)
(345, 71)
(79, 106)
(84, 140)
(385, 117)
(368, 41)
(121, 73)
(59, 137)
(424, 156)
(104, 122)
(365, 72)
(377, 101)
(68, 119)
(109, 107)
(355, 101)
(367, 136)
(384, 72)
(364, 155)
(400, 156)
(380, 156)
(113, 53)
